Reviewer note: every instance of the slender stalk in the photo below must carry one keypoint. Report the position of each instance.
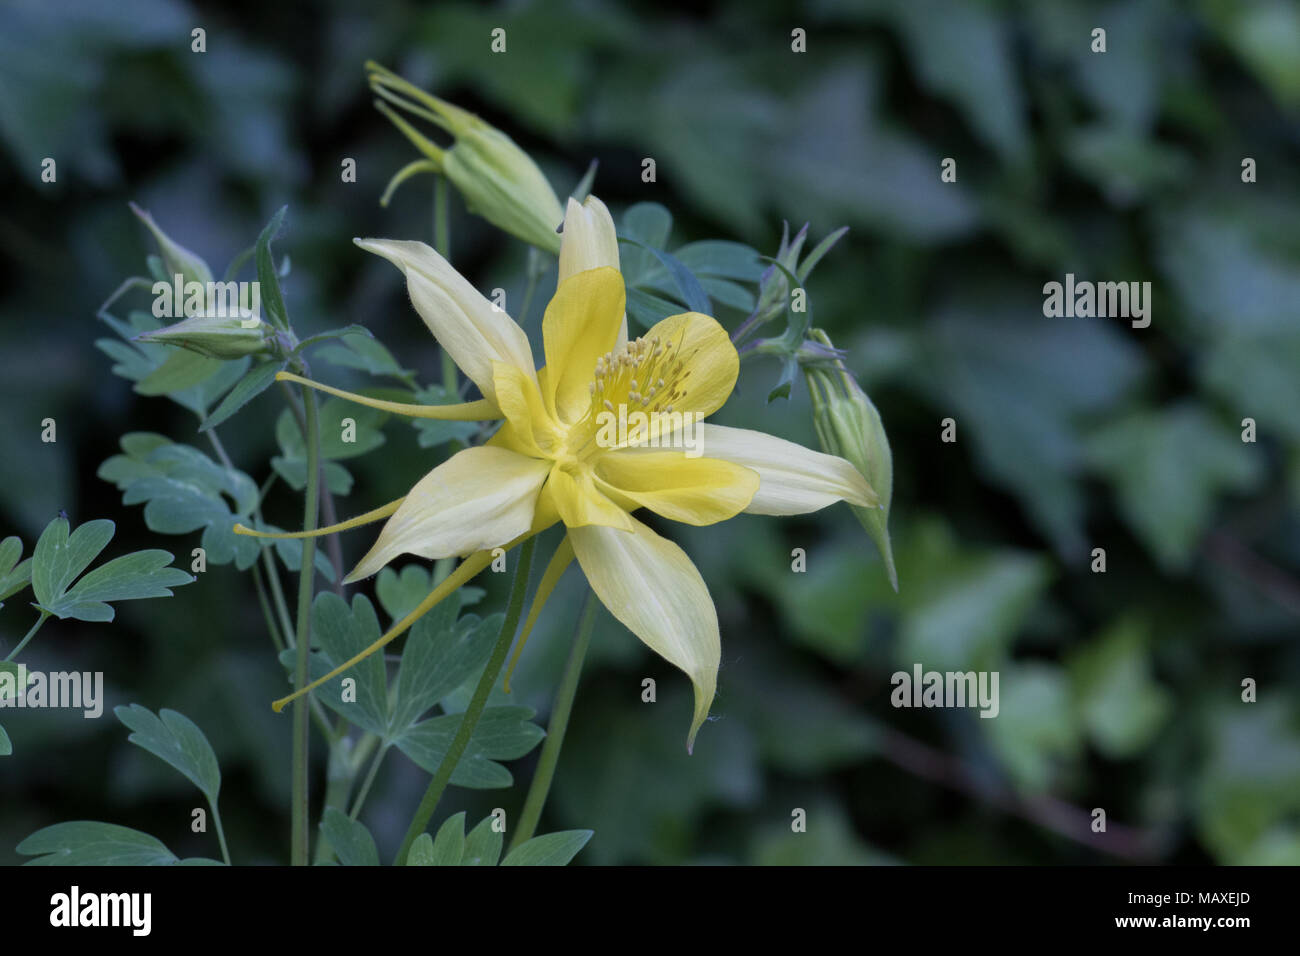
(277, 594)
(30, 634)
(475, 709)
(559, 723)
(271, 627)
(369, 781)
(300, 837)
(221, 832)
(529, 289)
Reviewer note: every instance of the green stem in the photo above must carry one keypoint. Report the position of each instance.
(30, 634)
(475, 709)
(267, 613)
(368, 782)
(529, 289)
(559, 723)
(300, 837)
(221, 831)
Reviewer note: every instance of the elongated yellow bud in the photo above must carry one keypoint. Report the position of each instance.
(370, 516)
(479, 411)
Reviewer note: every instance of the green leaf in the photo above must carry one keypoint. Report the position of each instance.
(182, 370)
(646, 309)
(483, 845)
(720, 259)
(143, 574)
(350, 839)
(6, 746)
(359, 330)
(60, 557)
(248, 388)
(437, 661)
(692, 292)
(88, 843)
(1168, 468)
(341, 633)
(649, 224)
(1120, 704)
(365, 354)
(449, 844)
(421, 852)
(551, 849)
(176, 740)
(14, 576)
(272, 300)
(503, 733)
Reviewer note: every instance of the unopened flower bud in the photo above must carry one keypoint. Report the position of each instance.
(499, 181)
(177, 260)
(221, 337)
(849, 426)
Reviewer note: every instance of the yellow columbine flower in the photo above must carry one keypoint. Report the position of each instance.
(558, 458)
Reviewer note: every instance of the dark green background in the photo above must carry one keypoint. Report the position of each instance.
(1119, 691)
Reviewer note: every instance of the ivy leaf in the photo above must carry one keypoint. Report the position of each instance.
(350, 839)
(14, 576)
(89, 843)
(1168, 468)
(176, 740)
(503, 733)
(551, 849)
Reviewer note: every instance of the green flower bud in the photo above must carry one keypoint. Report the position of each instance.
(849, 426)
(176, 258)
(221, 337)
(499, 181)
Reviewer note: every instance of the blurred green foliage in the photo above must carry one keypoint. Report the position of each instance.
(1119, 690)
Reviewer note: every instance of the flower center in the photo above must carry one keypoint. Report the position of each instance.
(646, 375)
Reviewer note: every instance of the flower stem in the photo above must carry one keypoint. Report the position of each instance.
(559, 723)
(302, 707)
(221, 832)
(30, 634)
(369, 781)
(475, 709)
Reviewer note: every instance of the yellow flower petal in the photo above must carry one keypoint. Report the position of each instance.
(581, 324)
(710, 360)
(698, 491)
(473, 331)
(793, 480)
(480, 498)
(589, 240)
(529, 429)
(579, 502)
(651, 586)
